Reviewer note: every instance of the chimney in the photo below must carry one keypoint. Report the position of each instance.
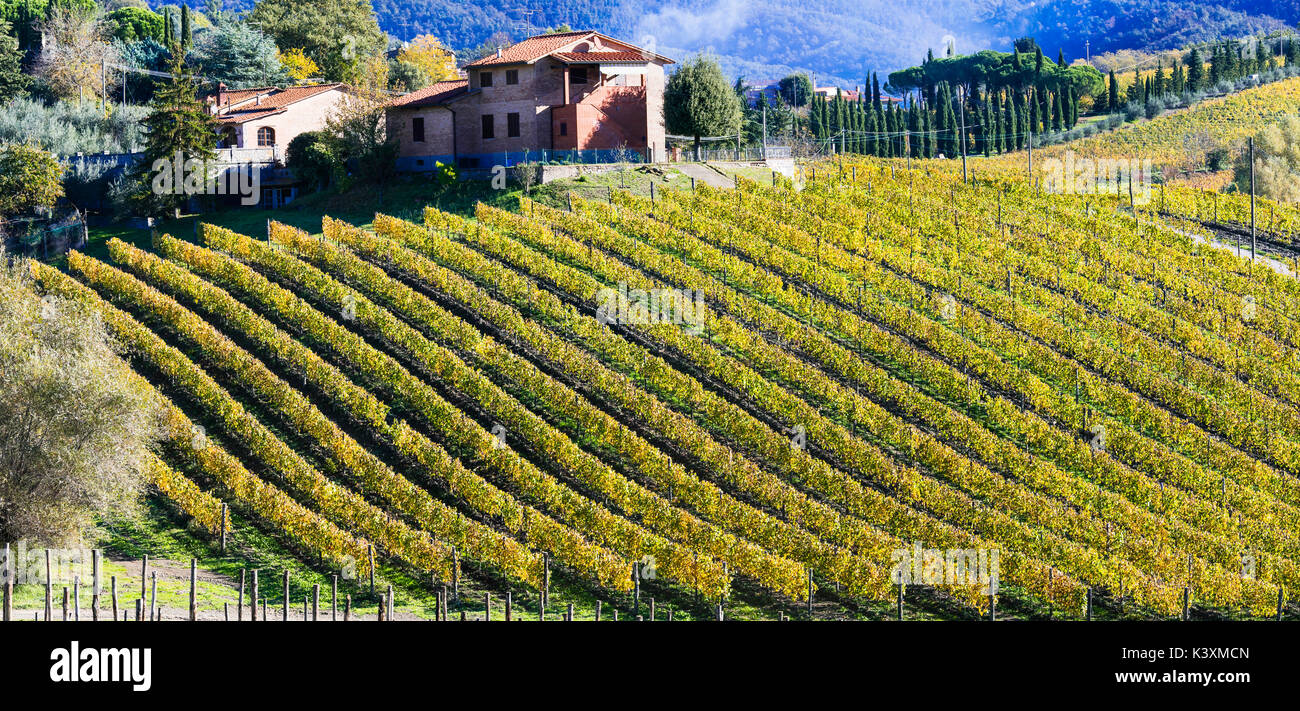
(498, 52)
(259, 99)
(221, 95)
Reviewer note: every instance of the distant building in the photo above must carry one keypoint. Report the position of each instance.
(572, 91)
(271, 117)
(256, 125)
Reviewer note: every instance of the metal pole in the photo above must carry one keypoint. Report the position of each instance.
(1252, 203)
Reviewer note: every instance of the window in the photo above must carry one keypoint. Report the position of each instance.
(578, 75)
(485, 79)
(564, 128)
(512, 125)
(265, 137)
(417, 129)
(512, 76)
(488, 126)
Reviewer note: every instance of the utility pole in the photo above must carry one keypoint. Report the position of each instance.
(764, 129)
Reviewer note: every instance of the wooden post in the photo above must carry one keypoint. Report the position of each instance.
(616, 614)
(652, 609)
(1089, 604)
(144, 574)
(334, 598)
(900, 601)
(569, 615)
(315, 603)
(455, 574)
(153, 600)
(239, 612)
(96, 581)
(225, 517)
(442, 602)
(598, 610)
(347, 608)
(719, 612)
(371, 554)
(1187, 603)
(65, 603)
(286, 596)
(636, 588)
(113, 582)
(253, 616)
(49, 588)
(390, 603)
(227, 611)
(546, 579)
(487, 607)
(383, 606)
(139, 609)
(9, 600)
(194, 584)
(76, 598)
(509, 607)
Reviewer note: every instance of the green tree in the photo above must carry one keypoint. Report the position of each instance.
(178, 127)
(13, 81)
(29, 178)
(698, 101)
(312, 158)
(187, 32)
(133, 24)
(241, 56)
(339, 35)
(75, 424)
(1195, 70)
(796, 90)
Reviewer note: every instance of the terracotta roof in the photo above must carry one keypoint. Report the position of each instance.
(240, 105)
(595, 57)
(534, 48)
(430, 95)
(530, 49)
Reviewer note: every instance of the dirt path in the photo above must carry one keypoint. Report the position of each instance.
(704, 174)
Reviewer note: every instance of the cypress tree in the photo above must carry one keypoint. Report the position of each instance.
(1058, 111)
(187, 34)
(1195, 70)
(1113, 92)
(1034, 124)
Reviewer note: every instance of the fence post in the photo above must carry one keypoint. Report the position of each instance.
(334, 598)
(253, 616)
(371, 553)
(65, 603)
(315, 602)
(509, 607)
(49, 589)
(194, 583)
(390, 603)
(239, 614)
(225, 512)
(347, 608)
(9, 600)
(286, 596)
(144, 574)
(153, 600)
(139, 609)
(113, 582)
(76, 598)
(487, 607)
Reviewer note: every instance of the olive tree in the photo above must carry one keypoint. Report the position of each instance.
(74, 427)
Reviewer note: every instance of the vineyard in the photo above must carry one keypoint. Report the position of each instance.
(865, 361)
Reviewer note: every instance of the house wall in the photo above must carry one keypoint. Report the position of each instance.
(307, 115)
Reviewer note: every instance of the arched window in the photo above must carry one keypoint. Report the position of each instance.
(265, 137)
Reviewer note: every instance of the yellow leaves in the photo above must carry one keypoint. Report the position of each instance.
(429, 54)
(299, 66)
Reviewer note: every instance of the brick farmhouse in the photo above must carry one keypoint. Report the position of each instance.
(547, 94)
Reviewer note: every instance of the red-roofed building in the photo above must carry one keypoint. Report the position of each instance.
(269, 117)
(560, 92)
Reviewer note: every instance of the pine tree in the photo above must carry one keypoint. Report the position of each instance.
(12, 79)
(178, 125)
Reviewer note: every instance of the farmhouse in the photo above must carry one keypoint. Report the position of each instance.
(566, 92)
(270, 117)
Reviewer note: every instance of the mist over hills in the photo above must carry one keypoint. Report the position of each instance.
(841, 40)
